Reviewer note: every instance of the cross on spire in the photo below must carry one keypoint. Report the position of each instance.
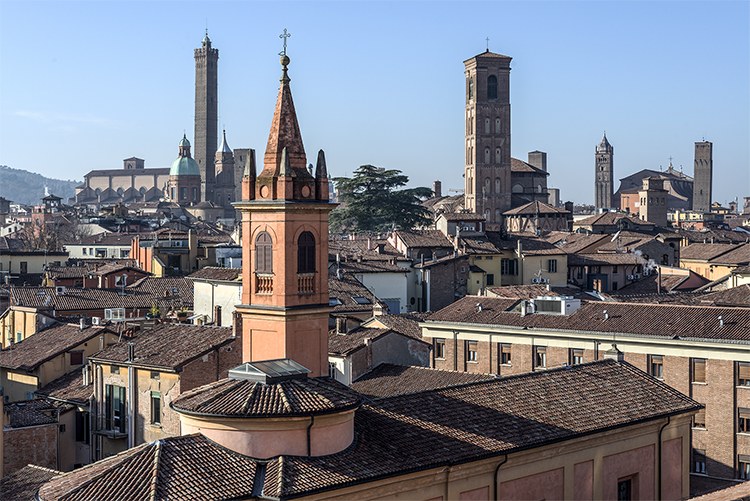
(488, 43)
(284, 36)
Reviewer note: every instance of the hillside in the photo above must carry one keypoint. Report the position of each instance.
(26, 187)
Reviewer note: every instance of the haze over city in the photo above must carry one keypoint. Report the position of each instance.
(87, 84)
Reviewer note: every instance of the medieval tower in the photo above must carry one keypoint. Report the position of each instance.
(285, 247)
(487, 180)
(603, 177)
(702, 176)
(224, 192)
(206, 114)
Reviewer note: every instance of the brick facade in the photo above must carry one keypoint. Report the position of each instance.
(35, 445)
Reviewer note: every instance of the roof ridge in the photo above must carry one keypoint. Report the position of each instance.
(246, 405)
(284, 398)
(155, 471)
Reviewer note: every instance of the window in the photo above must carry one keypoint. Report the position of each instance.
(76, 357)
(576, 356)
(743, 373)
(439, 347)
(505, 354)
(744, 467)
(155, 407)
(84, 251)
(508, 266)
(492, 87)
(497, 125)
(195, 194)
(625, 489)
(743, 425)
(490, 279)
(82, 427)
(698, 370)
(334, 301)
(552, 265)
(114, 369)
(486, 125)
(498, 160)
(263, 253)
(699, 461)
(306, 253)
(699, 419)
(331, 370)
(361, 300)
(155, 375)
(614, 270)
(656, 366)
(471, 351)
(470, 94)
(486, 155)
(183, 193)
(114, 403)
(540, 357)
(114, 313)
(24, 267)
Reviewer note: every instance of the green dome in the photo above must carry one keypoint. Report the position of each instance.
(184, 166)
(184, 141)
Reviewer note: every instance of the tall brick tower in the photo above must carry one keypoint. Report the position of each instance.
(285, 212)
(703, 176)
(206, 114)
(224, 189)
(487, 171)
(604, 174)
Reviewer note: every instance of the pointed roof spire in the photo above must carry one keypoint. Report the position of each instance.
(250, 164)
(321, 171)
(285, 132)
(224, 147)
(285, 168)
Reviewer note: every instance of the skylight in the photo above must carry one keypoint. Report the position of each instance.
(361, 300)
(269, 371)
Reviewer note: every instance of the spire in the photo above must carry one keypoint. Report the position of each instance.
(224, 147)
(284, 167)
(250, 164)
(285, 131)
(321, 171)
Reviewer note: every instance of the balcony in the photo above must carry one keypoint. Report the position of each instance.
(264, 283)
(306, 283)
(112, 427)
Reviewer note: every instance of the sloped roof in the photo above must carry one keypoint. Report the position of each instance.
(24, 483)
(425, 238)
(218, 274)
(517, 165)
(389, 380)
(536, 207)
(348, 343)
(345, 289)
(706, 252)
(69, 388)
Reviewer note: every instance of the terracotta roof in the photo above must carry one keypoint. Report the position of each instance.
(393, 436)
(23, 484)
(611, 218)
(652, 283)
(371, 267)
(218, 274)
(441, 260)
(738, 256)
(68, 388)
(185, 467)
(33, 351)
(652, 320)
(168, 346)
(518, 166)
(91, 267)
(738, 492)
(243, 398)
(30, 413)
(105, 239)
(345, 289)
(605, 259)
(521, 291)
(166, 286)
(576, 242)
(742, 270)
(536, 207)
(489, 54)
(706, 252)
(345, 344)
(536, 246)
(351, 249)
(462, 216)
(425, 238)
(388, 380)
(479, 245)
(405, 323)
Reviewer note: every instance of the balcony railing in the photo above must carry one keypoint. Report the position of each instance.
(263, 283)
(306, 283)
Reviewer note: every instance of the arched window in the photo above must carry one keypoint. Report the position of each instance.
(306, 253)
(486, 125)
(492, 87)
(497, 185)
(486, 155)
(498, 156)
(487, 187)
(263, 253)
(470, 93)
(497, 125)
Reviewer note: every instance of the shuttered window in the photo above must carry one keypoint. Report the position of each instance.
(743, 425)
(699, 419)
(263, 253)
(743, 373)
(699, 370)
(306, 253)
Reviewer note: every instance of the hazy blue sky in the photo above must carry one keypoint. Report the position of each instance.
(85, 84)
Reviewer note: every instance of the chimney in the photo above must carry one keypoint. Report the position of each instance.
(131, 351)
(378, 309)
(82, 323)
(721, 321)
(236, 325)
(340, 325)
(524, 311)
(614, 354)
(606, 315)
(437, 189)
(369, 244)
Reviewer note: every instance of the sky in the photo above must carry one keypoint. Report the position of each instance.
(84, 85)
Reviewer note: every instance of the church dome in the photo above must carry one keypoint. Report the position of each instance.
(184, 166)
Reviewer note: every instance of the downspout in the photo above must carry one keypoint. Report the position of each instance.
(495, 485)
(309, 437)
(131, 396)
(447, 481)
(455, 350)
(658, 492)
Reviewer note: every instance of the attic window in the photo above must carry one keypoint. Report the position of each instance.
(334, 301)
(361, 300)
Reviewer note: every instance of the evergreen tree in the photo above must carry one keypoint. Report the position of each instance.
(371, 201)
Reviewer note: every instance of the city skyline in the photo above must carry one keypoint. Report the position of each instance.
(381, 83)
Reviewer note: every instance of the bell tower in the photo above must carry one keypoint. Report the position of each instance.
(603, 177)
(285, 212)
(206, 114)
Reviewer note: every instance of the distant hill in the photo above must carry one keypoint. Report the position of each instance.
(26, 187)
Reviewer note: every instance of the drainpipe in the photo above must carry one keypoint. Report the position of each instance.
(309, 437)
(455, 351)
(131, 395)
(495, 484)
(658, 485)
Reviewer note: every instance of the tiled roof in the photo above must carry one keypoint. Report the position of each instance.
(536, 246)
(462, 216)
(69, 388)
(33, 351)
(393, 436)
(706, 252)
(441, 260)
(478, 245)
(24, 483)
(371, 267)
(30, 413)
(601, 259)
(350, 250)
(168, 346)
(610, 218)
(517, 165)
(404, 323)
(219, 274)
(244, 398)
(166, 286)
(711, 235)
(651, 284)
(345, 289)
(345, 344)
(536, 207)
(738, 256)
(738, 492)
(576, 242)
(521, 291)
(653, 320)
(388, 380)
(186, 467)
(105, 239)
(425, 238)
